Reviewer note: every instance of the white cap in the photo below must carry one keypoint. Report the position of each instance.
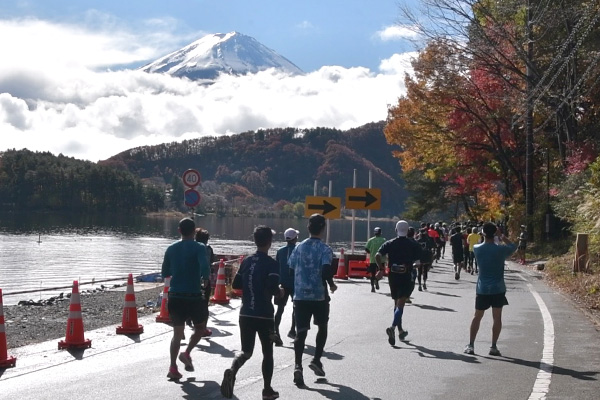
(290, 234)
(402, 228)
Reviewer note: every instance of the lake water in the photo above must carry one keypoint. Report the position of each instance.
(41, 251)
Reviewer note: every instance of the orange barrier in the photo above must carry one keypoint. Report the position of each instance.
(238, 292)
(341, 271)
(74, 336)
(220, 296)
(164, 316)
(129, 324)
(358, 269)
(5, 360)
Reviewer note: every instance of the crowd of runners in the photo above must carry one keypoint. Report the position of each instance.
(303, 273)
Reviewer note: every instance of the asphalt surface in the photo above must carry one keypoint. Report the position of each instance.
(359, 362)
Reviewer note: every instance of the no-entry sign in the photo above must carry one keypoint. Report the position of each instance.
(191, 178)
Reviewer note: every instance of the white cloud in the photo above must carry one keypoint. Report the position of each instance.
(305, 25)
(397, 32)
(398, 63)
(63, 103)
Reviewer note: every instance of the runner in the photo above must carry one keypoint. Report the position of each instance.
(373, 244)
(433, 233)
(202, 236)
(427, 250)
(445, 230)
(258, 276)
(468, 262)
(491, 289)
(456, 241)
(311, 261)
(286, 281)
(401, 254)
(186, 262)
(522, 245)
(473, 239)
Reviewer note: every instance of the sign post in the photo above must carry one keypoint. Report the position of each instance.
(191, 197)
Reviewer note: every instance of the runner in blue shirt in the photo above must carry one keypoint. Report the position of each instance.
(286, 281)
(311, 261)
(258, 276)
(491, 289)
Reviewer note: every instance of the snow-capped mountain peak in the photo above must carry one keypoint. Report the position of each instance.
(232, 53)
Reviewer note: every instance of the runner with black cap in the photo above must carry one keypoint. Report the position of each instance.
(401, 253)
(286, 281)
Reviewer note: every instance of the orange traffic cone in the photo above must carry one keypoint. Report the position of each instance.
(341, 271)
(5, 360)
(130, 321)
(220, 297)
(74, 337)
(238, 292)
(164, 309)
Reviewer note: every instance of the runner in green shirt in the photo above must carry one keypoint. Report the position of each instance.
(373, 244)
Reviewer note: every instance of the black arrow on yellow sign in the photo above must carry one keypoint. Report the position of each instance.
(368, 199)
(324, 208)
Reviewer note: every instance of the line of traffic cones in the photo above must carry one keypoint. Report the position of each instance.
(129, 325)
(341, 271)
(5, 360)
(74, 336)
(220, 296)
(164, 316)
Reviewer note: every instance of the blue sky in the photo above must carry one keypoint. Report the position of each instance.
(67, 84)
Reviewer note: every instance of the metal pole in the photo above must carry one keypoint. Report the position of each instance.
(315, 188)
(328, 220)
(353, 217)
(547, 194)
(369, 211)
(529, 129)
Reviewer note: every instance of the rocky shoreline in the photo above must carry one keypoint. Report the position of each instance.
(34, 322)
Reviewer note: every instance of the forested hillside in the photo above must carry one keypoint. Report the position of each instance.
(36, 181)
(273, 166)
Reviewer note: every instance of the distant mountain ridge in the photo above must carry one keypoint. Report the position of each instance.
(278, 164)
(231, 53)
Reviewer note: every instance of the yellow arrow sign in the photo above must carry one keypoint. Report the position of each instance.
(329, 207)
(363, 199)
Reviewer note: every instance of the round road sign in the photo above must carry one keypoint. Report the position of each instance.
(191, 178)
(191, 198)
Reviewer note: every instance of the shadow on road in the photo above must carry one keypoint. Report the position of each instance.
(581, 375)
(444, 294)
(433, 308)
(215, 348)
(443, 355)
(326, 354)
(200, 390)
(342, 393)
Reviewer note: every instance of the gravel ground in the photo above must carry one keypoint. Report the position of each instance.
(27, 324)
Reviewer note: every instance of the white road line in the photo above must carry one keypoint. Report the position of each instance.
(542, 382)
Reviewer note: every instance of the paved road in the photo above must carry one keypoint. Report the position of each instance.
(360, 364)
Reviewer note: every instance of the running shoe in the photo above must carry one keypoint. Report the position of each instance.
(270, 394)
(472, 272)
(402, 334)
(207, 332)
(372, 290)
(277, 340)
(187, 361)
(457, 275)
(317, 367)
(420, 288)
(494, 351)
(424, 286)
(298, 376)
(408, 301)
(292, 334)
(391, 338)
(228, 383)
(469, 349)
(377, 284)
(174, 374)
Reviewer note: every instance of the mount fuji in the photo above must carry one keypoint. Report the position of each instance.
(230, 53)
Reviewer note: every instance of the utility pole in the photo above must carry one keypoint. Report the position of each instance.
(529, 128)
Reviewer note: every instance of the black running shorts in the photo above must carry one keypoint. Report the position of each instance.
(401, 285)
(372, 268)
(485, 301)
(305, 309)
(191, 307)
(282, 301)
